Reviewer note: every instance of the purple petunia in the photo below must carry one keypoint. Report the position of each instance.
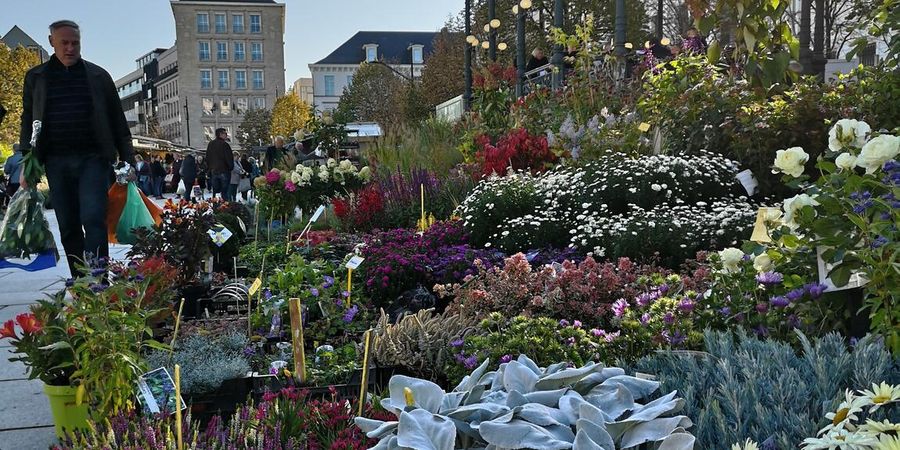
(769, 278)
(350, 314)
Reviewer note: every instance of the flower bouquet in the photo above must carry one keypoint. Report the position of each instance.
(24, 230)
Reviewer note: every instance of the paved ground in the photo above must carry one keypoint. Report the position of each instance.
(25, 419)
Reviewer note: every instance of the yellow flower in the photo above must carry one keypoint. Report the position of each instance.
(887, 442)
(748, 445)
(882, 394)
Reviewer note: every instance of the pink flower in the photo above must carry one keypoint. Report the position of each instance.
(273, 177)
(290, 186)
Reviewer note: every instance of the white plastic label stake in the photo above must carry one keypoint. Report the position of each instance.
(354, 262)
(318, 213)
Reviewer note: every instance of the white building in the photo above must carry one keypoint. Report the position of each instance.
(404, 51)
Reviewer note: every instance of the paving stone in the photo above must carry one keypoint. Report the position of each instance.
(23, 404)
(28, 439)
(9, 313)
(10, 370)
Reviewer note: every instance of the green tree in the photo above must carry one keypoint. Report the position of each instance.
(255, 128)
(14, 63)
(289, 114)
(444, 75)
(373, 96)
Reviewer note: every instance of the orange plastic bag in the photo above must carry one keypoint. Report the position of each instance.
(118, 194)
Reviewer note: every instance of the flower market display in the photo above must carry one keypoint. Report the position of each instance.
(696, 258)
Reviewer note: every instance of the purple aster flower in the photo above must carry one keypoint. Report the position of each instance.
(505, 358)
(457, 343)
(795, 295)
(645, 318)
(619, 307)
(779, 301)
(663, 289)
(273, 371)
(769, 278)
(597, 332)
(611, 336)
(815, 290)
(563, 323)
(644, 299)
(794, 321)
(470, 362)
(329, 282)
(669, 318)
(576, 324)
(761, 331)
(314, 292)
(249, 351)
(345, 294)
(98, 287)
(675, 338)
(725, 311)
(97, 272)
(267, 294)
(686, 305)
(350, 314)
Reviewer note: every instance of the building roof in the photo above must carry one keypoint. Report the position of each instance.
(16, 37)
(393, 46)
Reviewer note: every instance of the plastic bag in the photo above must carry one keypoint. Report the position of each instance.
(24, 230)
(181, 189)
(134, 215)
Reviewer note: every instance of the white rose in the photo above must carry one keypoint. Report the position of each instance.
(762, 263)
(794, 204)
(790, 161)
(845, 161)
(331, 163)
(365, 173)
(852, 133)
(878, 151)
(731, 257)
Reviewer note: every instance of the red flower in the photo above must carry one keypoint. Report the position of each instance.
(29, 323)
(8, 330)
(70, 331)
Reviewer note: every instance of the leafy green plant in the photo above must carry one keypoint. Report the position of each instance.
(746, 388)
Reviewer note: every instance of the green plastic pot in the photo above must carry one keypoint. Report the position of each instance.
(67, 416)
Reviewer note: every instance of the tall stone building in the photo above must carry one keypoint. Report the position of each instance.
(230, 58)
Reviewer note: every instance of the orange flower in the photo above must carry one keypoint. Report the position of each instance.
(8, 330)
(29, 323)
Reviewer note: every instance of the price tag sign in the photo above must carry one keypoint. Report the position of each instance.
(319, 211)
(219, 234)
(254, 288)
(354, 262)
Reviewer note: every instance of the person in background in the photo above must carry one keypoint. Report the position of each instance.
(236, 173)
(537, 59)
(693, 42)
(570, 57)
(202, 172)
(274, 153)
(188, 173)
(142, 169)
(157, 175)
(176, 173)
(220, 162)
(13, 170)
(246, 182)
(84, 131)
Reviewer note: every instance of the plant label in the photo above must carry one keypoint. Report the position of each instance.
(319, 211)
(254, 288)
(156, 391)
(857, 279)
(748, 181)
(354, 262)
(219, 234)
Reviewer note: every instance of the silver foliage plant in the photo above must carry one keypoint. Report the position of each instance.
(523, 406)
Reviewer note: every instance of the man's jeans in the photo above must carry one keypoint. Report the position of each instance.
(78, 192)
(221, 184)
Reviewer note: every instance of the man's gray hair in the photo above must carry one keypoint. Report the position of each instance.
(63, 23)
(279, 137)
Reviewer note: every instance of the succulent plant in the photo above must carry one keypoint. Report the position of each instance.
(421, 341)
(525, 406)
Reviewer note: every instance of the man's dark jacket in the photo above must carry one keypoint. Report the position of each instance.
(188, 168)
(110, 127)
(219, 157)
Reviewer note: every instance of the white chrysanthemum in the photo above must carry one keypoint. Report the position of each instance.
(840, 440)
(748, 445)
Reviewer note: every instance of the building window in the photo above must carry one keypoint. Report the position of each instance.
(225, 106)
(417, 57)
(371, 53)
(240, 79)
(255, 23)
(259, 103)
(209, 131)
(240, 105)
(329, 84)
(223, 79)
(239, 54)
(349, 80)
(204, 51)
(203, 23)
(207, 106)
(221, 25)
(221, 51)
(256, 52)
(237, 23)
(205, 79)
(258, 82)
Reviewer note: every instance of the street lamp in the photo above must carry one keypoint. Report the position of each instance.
(519, 11)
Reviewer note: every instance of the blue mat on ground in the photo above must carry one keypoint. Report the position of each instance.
(43, 261)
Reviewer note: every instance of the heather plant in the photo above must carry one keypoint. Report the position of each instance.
(746, 388)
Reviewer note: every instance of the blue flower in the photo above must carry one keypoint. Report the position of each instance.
(879, 242)
(329, 282)
(815, 290)
(98, 287)
(314, 292)
(795, 295)
(457, 343)
(725, 311)
(769, 278)
(563, 323)
(97, 272)
(350, 314)
(779, 301)
(70, 282)
(267, 294)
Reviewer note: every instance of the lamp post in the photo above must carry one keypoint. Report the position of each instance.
(467, 94)
(560, 73)
(620, 28)
(492, 36)
(519, 11)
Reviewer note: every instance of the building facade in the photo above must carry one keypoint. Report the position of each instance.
(303, 88)
(16, 37)
(403, 51)
(137, 92)
(230, 58)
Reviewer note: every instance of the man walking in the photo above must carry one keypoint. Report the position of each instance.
(220, 162)
(83, 133)
(157, 174)
(188, 172)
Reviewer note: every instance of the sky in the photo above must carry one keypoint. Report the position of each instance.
(114, 33)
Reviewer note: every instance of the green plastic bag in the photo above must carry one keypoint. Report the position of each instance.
(134, 215)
